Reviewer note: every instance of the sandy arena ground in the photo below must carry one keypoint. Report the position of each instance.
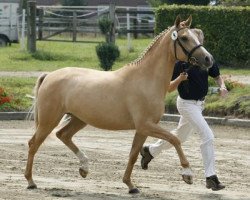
(57, 177)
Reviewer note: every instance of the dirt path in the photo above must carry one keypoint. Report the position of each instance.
(56, 168)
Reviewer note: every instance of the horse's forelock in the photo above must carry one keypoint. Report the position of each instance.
(199, 33)
(196, 37)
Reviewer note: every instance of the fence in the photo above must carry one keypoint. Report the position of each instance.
(54, 20)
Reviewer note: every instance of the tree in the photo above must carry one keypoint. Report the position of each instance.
(154, 3)
(73, 2)
(233, 2)
(23, 4)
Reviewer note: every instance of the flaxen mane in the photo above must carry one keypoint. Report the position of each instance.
(151, 45)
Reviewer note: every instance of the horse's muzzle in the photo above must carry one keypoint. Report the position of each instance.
(207, 62)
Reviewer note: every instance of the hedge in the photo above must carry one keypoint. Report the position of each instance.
(226, 29)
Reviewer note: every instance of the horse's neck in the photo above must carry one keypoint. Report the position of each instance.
(156, 67)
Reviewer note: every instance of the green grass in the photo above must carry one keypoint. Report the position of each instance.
(235, 70)
(54, 55)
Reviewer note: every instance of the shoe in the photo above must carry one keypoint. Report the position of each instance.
(212, 182)
(146, 157)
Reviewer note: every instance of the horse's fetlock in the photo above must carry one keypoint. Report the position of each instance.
(185, 164)
(27, 175)
(125, 180)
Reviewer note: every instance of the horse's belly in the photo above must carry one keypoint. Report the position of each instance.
(108, 122)
(105, 117)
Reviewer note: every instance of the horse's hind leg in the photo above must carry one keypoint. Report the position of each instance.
(135, 149)
(66, 133)
(34, 143)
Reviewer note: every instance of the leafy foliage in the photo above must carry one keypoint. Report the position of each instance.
(225, 29)
(104, 25)
(107, 54)
(234, 2)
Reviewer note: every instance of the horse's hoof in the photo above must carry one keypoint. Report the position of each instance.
(134, 191)
(188, 179)
(31, 187)
(83, 173)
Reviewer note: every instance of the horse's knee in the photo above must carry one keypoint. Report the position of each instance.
(31, 141)
(174, 140)
(59, 134)
(62, 136)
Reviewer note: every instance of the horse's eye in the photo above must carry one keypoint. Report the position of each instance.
(184, 38)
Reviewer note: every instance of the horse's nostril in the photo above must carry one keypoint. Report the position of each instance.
(207, 59)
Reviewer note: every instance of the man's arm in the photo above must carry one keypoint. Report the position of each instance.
(220, 82)
(174, 84)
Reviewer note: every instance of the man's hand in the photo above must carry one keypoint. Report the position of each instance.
(223, 91)
(220, 82)
(183, 76)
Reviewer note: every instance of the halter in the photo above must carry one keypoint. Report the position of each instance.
(191, 59)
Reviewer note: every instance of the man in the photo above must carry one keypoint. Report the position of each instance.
(192, 84)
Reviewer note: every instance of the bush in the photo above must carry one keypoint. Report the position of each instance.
(107, 54)
(225, 29)
(105, 26)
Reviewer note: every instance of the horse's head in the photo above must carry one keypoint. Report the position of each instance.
(188, 44)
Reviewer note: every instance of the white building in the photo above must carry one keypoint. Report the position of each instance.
(8, 21)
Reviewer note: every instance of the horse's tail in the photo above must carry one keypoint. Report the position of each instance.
(36, 89)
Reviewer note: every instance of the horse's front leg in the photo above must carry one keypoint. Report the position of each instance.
(135, 149)
(154, 130)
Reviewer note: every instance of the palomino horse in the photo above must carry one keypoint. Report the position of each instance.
(129, 98)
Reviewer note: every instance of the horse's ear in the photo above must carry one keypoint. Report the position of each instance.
(188, 22)
(177, 21)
